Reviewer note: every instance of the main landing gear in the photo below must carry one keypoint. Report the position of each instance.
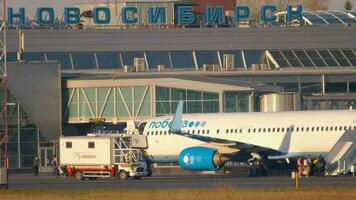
(257, 166)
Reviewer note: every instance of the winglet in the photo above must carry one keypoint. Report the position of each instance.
(177, 119)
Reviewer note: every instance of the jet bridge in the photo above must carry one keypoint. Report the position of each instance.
(343, 154)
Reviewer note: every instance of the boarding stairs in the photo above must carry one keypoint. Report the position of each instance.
(129, 149)
(343, 154)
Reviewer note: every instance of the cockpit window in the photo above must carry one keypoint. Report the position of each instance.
(141, 127)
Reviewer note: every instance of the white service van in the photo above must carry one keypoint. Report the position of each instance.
(103, 156)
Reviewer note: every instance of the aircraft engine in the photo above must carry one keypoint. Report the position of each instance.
(201, 158)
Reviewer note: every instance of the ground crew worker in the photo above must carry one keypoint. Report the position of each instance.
(322, 166)
(300, 166)
(307, 164)
(353, 170)
(36, 166)
(315, 167)
(55, 166)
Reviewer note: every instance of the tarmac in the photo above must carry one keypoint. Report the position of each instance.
(46, 181)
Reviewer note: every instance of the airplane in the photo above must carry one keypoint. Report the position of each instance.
(205, 142)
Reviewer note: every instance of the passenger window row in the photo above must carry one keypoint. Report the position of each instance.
(262, 130)
(292, 129)
(166, 132)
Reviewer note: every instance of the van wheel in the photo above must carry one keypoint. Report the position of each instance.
(123, 175)
(78, 175)
(137, 177)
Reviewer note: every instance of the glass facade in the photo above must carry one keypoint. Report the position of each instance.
(129, 57)
(314, 95)
(84, 61)
(126, 102)
(313, 18)
(285, 58)
(195, 101)
(280, 59)
(328, 17)
(304, 59)
(343, 16)
(158, 58)
(310, 88)
(331, 19)
(135, 102)
(236, 102)
(109, 60)
(63, 58)
(34, 57)
(340, 87)
(314, 58)
(207, 58)
(352, 87)
(23, 135)
(292, 58)
(182, 59)
(254, 57)
(238, 58)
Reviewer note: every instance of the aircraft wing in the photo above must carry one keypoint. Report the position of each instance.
(239, 146)
(218, 142)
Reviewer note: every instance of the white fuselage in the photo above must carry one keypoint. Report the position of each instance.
(312, 132)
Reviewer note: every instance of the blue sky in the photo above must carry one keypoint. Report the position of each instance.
(32, 5)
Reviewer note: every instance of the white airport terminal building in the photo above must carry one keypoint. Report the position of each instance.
(69, 80)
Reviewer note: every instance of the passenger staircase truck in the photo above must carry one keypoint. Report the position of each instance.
(104, 156)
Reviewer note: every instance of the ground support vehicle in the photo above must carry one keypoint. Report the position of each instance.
(103, 156)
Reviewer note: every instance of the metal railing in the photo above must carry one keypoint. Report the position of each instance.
(124, 153)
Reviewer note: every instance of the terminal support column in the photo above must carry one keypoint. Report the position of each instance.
(221, 102)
